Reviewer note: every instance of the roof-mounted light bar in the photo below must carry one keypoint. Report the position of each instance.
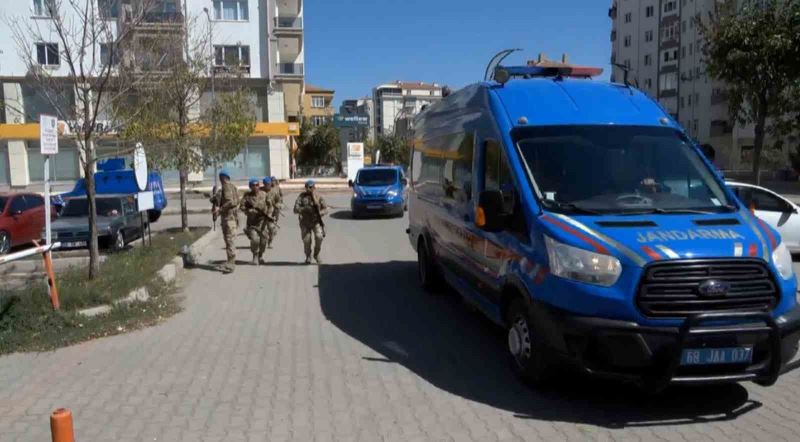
(505, 73)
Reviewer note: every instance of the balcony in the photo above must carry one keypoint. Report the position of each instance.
(232, 70)
(153, 21)
(289, 70)
(612, 12)
(290, 25)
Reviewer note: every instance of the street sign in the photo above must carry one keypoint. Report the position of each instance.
(140, 166)
(355, 159)
(48, 134)
(145, 201)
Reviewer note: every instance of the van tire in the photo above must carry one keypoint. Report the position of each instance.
(530, 358)
(427, 270)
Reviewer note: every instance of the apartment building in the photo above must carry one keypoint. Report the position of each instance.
(318, 105)
(401, 99)
(661, 46)
(261, 40)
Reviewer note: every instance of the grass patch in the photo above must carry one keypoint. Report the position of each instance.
(28, 322)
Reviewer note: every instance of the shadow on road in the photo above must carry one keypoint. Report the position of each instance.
(460, 352)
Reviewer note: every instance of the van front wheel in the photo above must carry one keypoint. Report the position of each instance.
(529, 357)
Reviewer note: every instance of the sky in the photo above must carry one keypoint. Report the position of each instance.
(353, 45)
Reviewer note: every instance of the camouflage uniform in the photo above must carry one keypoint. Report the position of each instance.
(277, 204)
(227, 200)
(258, 211)
(310, 223)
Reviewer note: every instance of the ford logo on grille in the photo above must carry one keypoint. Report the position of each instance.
(714, 288)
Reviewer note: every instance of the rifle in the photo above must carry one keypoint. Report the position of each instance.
(319, 214)
(214, 206)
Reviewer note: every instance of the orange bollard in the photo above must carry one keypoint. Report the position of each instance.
(61, 426)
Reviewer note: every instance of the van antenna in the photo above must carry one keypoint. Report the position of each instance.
(625, 71)
(496, 60)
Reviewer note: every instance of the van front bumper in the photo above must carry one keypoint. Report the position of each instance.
(651, 356)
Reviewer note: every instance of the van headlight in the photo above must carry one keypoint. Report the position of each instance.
(783, 261)
(391, 193)
(582, 265)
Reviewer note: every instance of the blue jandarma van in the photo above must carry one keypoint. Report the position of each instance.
(578, 215)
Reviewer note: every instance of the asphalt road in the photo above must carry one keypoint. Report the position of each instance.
(349, 350)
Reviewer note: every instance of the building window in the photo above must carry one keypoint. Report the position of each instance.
(317, 101)
(108, 54)
(682, 103)
(648, 59)
(47, 54)
(648, 36)
(670, 6)
(694, 127)
(668, 81)
(42, 8)
(627, 63)
(108, 8)
(690, 48)
(683, 51)
(232, 56)
(648, 83)
(628, 17)
(690, 100)
(231, 10)
(683, 26)
(648, 11)
(318, 120)
(627, 41)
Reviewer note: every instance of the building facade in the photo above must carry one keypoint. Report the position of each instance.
(353, 123)
(261, 39)
(660, 44)
(318, 105)
(399, 100)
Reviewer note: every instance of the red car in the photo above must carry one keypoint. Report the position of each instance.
(21, 219)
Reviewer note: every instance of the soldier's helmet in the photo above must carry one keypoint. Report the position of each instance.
(267, 180)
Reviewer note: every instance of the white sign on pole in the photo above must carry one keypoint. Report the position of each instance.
(140, 166)
(145, 201)
(355, 159)
(48, 134)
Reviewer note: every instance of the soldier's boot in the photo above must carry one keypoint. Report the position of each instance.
(255, 259)
(227, 268)
(262, 261)
(308, 259)
(317, 259)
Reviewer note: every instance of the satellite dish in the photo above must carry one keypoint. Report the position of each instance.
(140, 167)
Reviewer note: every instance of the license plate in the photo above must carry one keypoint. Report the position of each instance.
(374, 207)
(74, 244)
(715, 356)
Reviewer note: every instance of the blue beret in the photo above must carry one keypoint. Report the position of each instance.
(310, 183)
(224, 173)
(253, 181)
(267, 180)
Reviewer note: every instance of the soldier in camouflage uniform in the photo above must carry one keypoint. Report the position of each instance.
(272, 196)
(277, 186)
(259, 212)
(225, 203)
(310, 208)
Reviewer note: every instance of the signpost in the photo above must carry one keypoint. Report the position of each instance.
(144, 199)
(355, 159)
(48, 143)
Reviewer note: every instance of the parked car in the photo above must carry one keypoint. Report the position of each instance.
(777, 211)
(118, 222)
(21, 219)
(379, 190)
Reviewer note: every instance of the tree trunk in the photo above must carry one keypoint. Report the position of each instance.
(88, 172)
(758, 144)
(184, 178)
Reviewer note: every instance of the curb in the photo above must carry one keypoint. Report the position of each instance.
(168, 274)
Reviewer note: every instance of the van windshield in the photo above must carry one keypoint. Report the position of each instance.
(376, 177)
(619, 170)
(80, 207)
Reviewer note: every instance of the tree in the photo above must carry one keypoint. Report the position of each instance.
(83, 83)
(393, 148)
(754, 49)
(182, 128)
(320, 146)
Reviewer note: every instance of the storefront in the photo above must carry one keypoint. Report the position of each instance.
(64, 166)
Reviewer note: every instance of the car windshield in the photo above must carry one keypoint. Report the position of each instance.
(376, 177)
(80, 207)
(618, 170)
(3, 201)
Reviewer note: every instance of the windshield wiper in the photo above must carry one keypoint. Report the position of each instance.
(660, 211)
(570, 207)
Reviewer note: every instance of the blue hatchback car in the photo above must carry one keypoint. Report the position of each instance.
(379, 190)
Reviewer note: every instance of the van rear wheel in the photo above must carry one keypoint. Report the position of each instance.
(427, 272)
(530, 358)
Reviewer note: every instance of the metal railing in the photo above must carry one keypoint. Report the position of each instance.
(290, 68)
(288, 22)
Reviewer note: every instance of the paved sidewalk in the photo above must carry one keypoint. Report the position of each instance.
(351, 350)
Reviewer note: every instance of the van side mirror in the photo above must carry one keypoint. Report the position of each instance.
(404, 181)
(350, 183)
(490, 214)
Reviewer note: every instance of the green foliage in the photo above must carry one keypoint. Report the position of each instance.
(393, 148)
(755, 50)
(319, 146)
(30, 324)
